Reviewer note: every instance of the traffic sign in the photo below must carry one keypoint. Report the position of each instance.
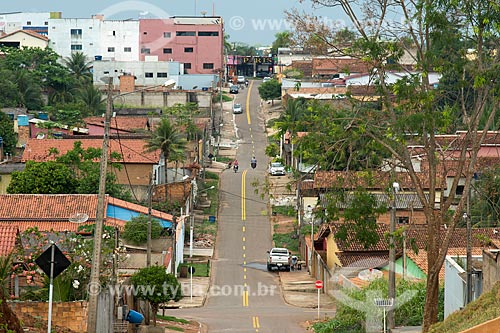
(318, 284)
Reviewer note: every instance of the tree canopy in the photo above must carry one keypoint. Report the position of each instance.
(136, 230)
(270, 90)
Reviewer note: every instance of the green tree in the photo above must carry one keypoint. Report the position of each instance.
(270, 90)
(29, 91)
(154, 285)
(43, 178)
(136, 230)
(282, 39)
(79, 66)
(169, 141)
(8, 94)
(92, 100)
(7, 133)
(412, 111)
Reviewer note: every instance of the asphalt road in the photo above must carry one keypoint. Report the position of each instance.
(244, 296)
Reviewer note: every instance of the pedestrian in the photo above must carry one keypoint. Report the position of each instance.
(294, 263)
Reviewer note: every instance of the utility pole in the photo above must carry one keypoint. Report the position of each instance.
(174, 245)
(94, 285)
(150, 204)
(392, 257)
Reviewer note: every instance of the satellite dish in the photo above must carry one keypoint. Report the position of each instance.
(78, 218)
(370, 274)
(40, 136)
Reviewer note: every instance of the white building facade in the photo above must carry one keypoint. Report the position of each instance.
(38, 22)
(96, 38)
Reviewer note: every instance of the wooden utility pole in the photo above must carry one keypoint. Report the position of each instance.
(94, 287)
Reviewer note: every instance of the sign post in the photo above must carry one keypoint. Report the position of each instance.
(52, 262)
(191, 272)
(319, 285)
(385, 304)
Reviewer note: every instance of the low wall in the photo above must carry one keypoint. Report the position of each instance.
(72, 315)
(492, 326)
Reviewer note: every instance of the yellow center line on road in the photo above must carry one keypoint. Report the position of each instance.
(255, 321)
(244, 239)
(245, 298)
(244, 247)
(248, 103)
(243, 198)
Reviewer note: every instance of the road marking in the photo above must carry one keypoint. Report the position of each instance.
(244, 276)
(244, 239)
(244, 262)
(245, 298)
(255, 321)
(243, 198)
(244, 269)
(244, 247)
(244, 255)
(248, 103)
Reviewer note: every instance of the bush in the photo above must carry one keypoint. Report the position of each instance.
(136, 230)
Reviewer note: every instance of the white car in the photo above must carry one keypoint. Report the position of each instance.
(276, 169)
(267, 78)
(240, 79)
(237, 108)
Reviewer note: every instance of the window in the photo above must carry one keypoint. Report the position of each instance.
(167, 34)
(148, 74)
(185, 33)
(208, 66)
(403, 219)
(460, 190)
(188, 49)
(76, 32)
(114, 33)
(162, 75)
(145, 33)
(187, 65)
(76, 47)
(46, 23)
(28, 23)
(167, 50)
(111, 49)
(145, 50)
(208, 33)
(127, 49)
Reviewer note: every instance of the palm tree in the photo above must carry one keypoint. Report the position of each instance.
(171, 143)
(79, 66)
(92, 98)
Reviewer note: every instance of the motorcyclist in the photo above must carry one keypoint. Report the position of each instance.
(253, 162)
(246, 83)
(235, 165)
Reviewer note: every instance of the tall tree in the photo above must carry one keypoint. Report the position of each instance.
(282, 39)
(169, 141)
(7, 133)
(270, 90)
(410, 111)
(79, 66)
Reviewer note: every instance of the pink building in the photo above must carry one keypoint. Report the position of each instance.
(195, 41)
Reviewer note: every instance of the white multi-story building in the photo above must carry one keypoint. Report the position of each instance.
(37, 22)
(97, 38)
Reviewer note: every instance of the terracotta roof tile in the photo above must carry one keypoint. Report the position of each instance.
(339, 65)
(120, 122)
(8, 237)
(46, 207)
(131, 150)
(363, 260)
(60, 226)
(28, 32)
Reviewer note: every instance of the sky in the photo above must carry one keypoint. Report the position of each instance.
(253, 22)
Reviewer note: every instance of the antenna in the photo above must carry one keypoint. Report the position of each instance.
(78, 218)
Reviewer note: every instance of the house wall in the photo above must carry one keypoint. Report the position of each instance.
(491, 269)
(166, 99)
(26, 40)
(415, 217)
(134, 174)
(332, 249)
(119, 35)
(206, 49)
(72, 315)
(4, 182)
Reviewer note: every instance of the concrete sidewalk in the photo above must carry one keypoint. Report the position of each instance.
(299, 290)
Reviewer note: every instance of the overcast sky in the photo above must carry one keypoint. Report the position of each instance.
(248, 21)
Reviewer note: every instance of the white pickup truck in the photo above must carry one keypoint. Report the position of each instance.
(278, 258)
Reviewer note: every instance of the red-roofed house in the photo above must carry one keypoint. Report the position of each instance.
(24, 38)
(8, 239)
(118, 125)
(66, 212)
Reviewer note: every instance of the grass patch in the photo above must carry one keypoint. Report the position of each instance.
(172, 318)
(288, 240)
(284, 210)
(213, 196)
(204, 228)
(201, 269)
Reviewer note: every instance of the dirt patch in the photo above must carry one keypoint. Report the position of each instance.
(174, 326)
(38, 325)
(283, 224)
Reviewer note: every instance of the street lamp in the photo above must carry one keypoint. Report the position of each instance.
(191, 213)
(392, 256)
(94, 286)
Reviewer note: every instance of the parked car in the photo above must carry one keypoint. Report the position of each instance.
(233, 89)
(278, 258)
(240, 79)
(237, 108)
(267, 78)
(276, 169)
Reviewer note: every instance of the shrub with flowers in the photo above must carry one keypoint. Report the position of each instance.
(71, 283)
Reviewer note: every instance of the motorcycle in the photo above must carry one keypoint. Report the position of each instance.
(235, 168)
